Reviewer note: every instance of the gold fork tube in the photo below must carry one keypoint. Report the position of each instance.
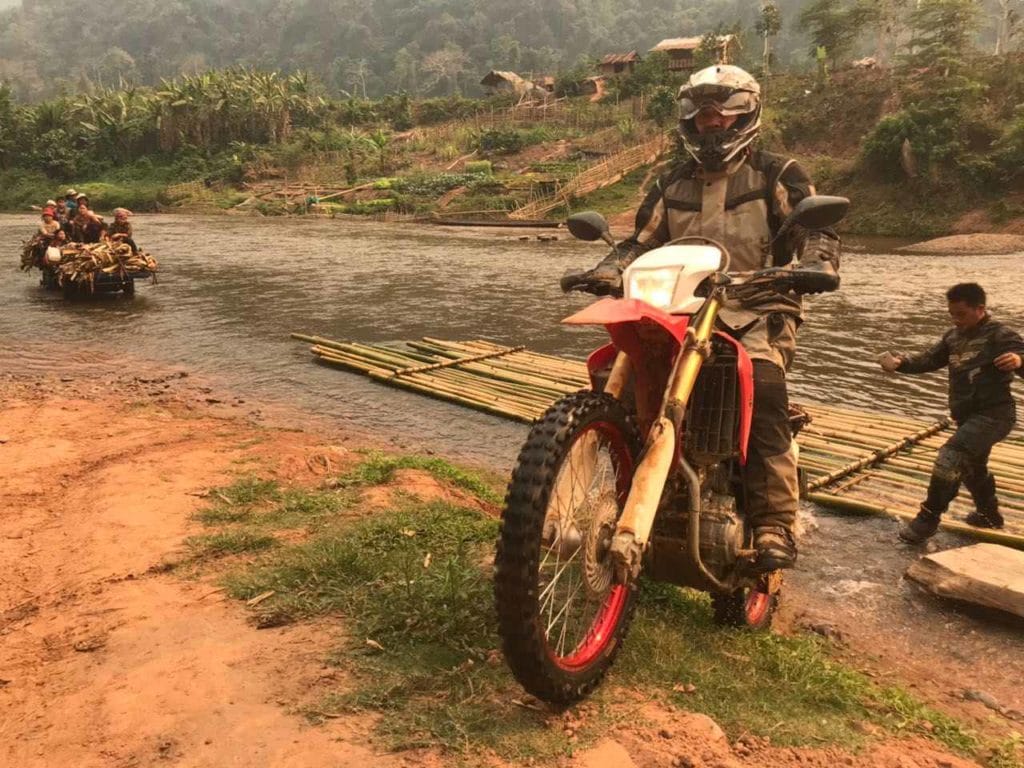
(692, 358)
(637, 518)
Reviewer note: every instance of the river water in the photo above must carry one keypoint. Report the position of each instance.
(231, 290)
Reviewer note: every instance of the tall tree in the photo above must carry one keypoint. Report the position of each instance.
(1008, 24)
(769, 23)
(446, 64)
(833, 25)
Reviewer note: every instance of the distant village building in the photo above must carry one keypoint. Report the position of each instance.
(682, 50)
(498, 81)
(619, 64)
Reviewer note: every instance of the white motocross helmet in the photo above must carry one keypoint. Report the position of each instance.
(728, 90)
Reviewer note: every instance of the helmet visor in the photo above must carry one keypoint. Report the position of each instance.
(724, 101)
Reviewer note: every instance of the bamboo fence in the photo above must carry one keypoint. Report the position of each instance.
(602, 174)
(854, 461)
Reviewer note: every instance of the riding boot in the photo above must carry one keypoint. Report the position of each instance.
(921, 528)
(776, 548)
(986, 505)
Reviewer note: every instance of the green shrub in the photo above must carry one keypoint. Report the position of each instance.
(500, 141)
(478, 167)
(1009, 149)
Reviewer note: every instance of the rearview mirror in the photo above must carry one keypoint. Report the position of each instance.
(816, 212)
(589, 225)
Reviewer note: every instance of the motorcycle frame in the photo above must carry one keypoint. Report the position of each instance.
(662, 450)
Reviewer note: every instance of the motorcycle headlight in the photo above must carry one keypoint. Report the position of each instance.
(656, 287)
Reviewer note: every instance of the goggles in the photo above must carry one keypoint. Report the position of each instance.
(724, 101)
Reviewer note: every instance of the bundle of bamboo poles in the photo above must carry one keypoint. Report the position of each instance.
(855, 461)
(80, 262)
(504, 381)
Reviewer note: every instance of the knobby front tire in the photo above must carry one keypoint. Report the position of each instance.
(561, 617)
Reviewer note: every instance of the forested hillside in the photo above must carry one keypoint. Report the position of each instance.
(423, 47)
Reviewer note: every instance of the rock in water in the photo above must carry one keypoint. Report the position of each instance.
(983, 574)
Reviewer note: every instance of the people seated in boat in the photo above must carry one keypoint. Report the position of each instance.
(49, 233)
(121, 230)
(70, 207)
(87, 226)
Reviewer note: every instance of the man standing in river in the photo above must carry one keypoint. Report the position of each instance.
(739, 196)
(982, 355)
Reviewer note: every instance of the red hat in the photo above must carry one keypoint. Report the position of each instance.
(49, 211)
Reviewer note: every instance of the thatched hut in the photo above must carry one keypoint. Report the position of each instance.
(682, 51)
(615, 64)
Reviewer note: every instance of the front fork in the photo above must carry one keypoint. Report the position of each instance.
(661, 450)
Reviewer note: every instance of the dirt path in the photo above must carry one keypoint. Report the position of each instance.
(108, 660)
(104, 660)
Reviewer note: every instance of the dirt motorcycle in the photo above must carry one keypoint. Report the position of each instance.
(642, 472)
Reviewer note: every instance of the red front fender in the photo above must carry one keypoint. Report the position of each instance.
(609, 312)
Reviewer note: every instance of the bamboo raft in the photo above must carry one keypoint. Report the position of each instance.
(854, 461)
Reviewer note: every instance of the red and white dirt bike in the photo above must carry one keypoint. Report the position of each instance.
(640, 473)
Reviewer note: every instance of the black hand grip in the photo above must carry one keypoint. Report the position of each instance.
(572, 281)
(813, 281)
(602, 281)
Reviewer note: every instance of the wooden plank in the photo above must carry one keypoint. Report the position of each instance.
(984, 574)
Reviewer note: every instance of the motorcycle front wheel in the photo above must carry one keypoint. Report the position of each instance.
(561, 616)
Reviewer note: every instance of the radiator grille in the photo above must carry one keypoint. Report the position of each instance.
(713, 413)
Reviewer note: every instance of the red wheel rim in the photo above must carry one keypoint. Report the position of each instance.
(756, 606)
(601, 632)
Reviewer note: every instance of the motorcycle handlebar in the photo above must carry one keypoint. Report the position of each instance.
(608, 282)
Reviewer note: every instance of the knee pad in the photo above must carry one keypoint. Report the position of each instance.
(949, 465)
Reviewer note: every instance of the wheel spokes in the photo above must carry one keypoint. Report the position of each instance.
(585, 482)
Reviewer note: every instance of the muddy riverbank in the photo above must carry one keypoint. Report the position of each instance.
(108, 659)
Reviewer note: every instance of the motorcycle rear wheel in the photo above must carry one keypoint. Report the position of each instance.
(561, 616)
(750, 608)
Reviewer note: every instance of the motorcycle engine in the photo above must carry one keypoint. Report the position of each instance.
(722, 534)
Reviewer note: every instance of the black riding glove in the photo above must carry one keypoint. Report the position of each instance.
(605, 279)
(818, 269)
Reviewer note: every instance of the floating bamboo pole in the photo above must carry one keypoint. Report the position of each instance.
(864, 507)
(878, 455)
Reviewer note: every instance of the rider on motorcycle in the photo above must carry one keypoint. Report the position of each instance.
(730, 192)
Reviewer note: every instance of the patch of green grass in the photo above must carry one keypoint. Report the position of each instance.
(1009, 753)
(256, 505)
(786, 688)
(379, 468)
(415, 582)
(229, 543)
(223, 515)
(248, 490)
